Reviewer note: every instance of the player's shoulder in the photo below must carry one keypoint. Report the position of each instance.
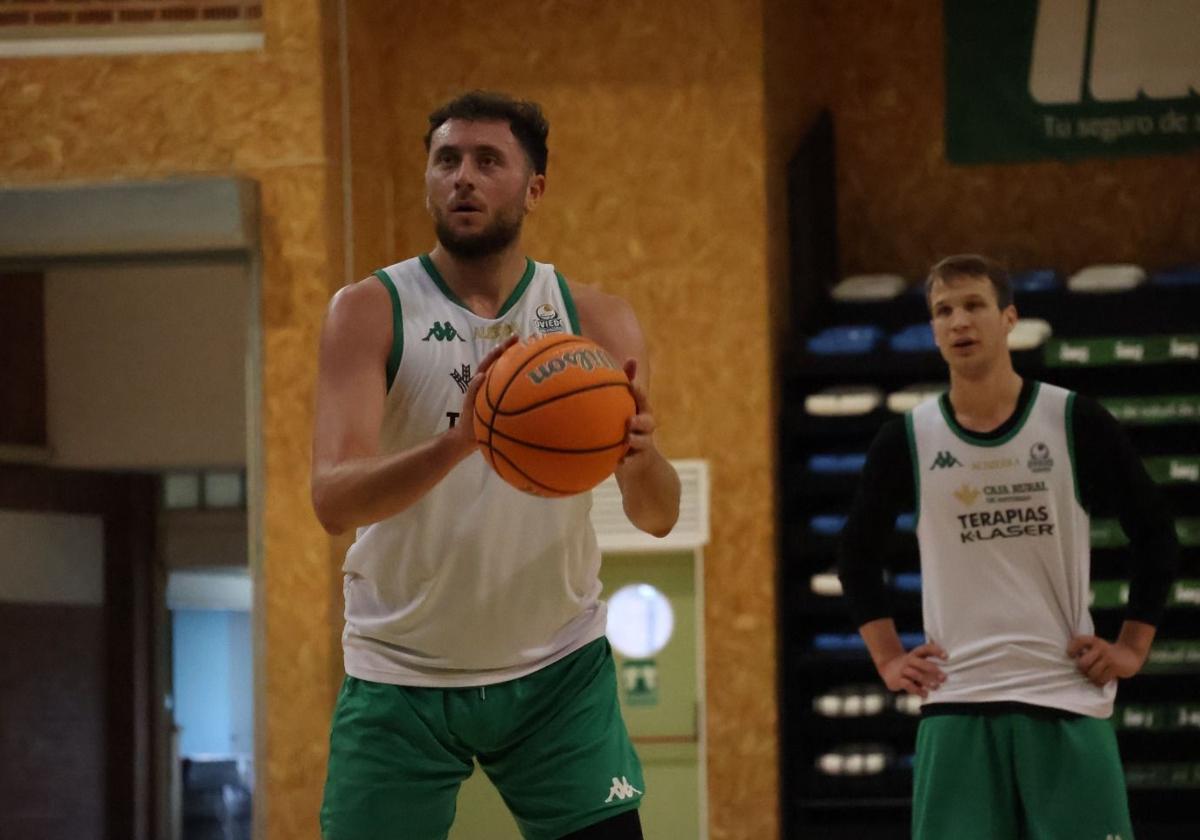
(361, 309)
(1089, 417)
(359, 294)
(591, 297)
(600, 312)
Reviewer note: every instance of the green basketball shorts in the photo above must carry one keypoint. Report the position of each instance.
(1007, 776)
(552, 742)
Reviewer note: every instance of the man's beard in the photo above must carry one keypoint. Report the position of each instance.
(493, 239)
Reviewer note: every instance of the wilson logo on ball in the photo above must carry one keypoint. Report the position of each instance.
(582, 359)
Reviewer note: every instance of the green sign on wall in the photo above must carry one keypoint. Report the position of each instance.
(639, 679)
(1028, 80)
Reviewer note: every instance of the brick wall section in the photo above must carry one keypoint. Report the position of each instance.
(19, 17)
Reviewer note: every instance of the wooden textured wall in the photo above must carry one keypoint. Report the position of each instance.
(264, 115)
(901, 205)
(655, 192)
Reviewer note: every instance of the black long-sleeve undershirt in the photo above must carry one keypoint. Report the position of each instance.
(1112, 482)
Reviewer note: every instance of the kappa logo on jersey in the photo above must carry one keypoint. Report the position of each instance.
(443, 331)
(548, 320)
(966, 494)
(944, 460)
(462, 377)
(621, 789)
(1039, 458)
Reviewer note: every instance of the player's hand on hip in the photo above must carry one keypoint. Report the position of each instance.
(464, 429)
(1102, 661)
(915, 672)
(640, 436)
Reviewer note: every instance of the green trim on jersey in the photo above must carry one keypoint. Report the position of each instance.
(393, 360)
(436, 277)
(916, 470)
(522, 285)
(1071, 445)
(967, 437)
(572, 312)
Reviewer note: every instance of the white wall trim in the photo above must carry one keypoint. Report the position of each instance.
(210, 590)
(132, 44)
(614, 531)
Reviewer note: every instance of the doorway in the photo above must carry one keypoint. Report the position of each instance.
(145, 366)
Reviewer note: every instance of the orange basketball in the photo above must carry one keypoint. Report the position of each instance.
(551, 415)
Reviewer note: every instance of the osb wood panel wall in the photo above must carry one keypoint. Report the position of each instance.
(901, 205)
(655, 192)
(260, 114)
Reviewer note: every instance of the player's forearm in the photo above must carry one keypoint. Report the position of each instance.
(1138, 636)
(650, 492)
(883, 642)
(361, 491)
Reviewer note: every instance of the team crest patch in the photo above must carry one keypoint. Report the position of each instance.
(548, 320)
(1039, 458)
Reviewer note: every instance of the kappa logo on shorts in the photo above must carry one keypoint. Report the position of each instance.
(621, 789)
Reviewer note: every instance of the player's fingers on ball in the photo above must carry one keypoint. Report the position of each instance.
(640, 401)
(642, 423)
(630, 368)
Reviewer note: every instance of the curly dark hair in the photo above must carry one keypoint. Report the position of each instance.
(524, 118)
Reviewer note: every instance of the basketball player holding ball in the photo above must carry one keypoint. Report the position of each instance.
(1004, 474)
(474, 626)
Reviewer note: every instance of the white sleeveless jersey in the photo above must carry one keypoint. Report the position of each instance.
(477, 582)
(1005, 556)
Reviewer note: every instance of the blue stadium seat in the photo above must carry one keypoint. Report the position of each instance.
(916, 338)
(834, 464)
(845, 340)
(1036, 280)
(1181, 275)
(827, 524)
(853, 641)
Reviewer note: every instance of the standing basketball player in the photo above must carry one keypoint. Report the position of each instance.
(474, 626)
(1004, 474)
